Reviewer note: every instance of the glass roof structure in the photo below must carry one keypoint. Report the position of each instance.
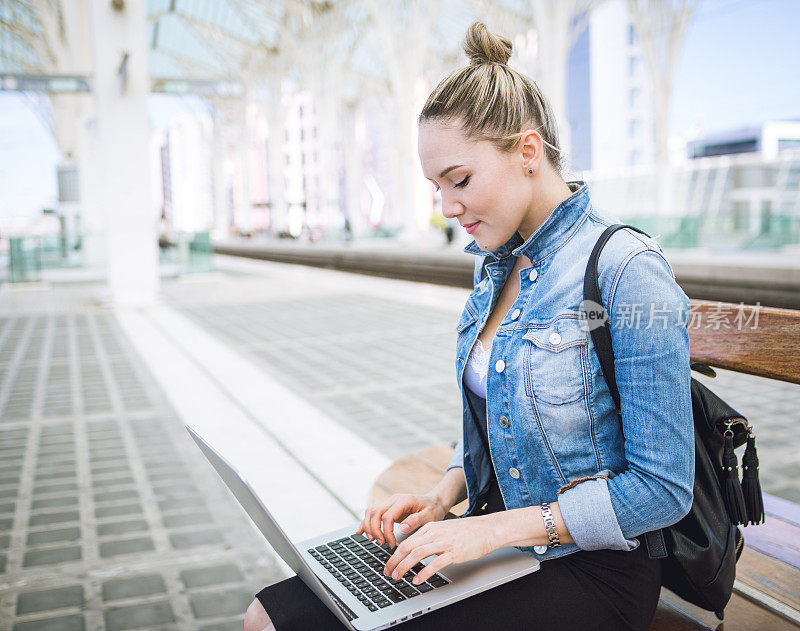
(250, 39)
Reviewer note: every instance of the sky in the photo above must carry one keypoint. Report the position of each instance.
(738, 67)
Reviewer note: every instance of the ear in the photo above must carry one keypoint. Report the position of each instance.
(531, 148)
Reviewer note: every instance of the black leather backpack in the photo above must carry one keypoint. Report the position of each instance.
(699, 553)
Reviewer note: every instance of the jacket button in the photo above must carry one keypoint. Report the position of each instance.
(540, 549)
(534, 274)
(555, 338)
(504, 422)
(515, 314)
(514, 473)
(500, 366)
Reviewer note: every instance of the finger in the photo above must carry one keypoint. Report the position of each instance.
(419, 538)
(375, 523)
(367, 523)
(362, 528)
(394, 514)
(415, 557)
(440, 562)
(412, 522)
(388, 528)
(403, 550)
(374, 517)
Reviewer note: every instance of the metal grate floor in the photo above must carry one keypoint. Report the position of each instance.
(382, 368)
(385, 369)
(109, 516)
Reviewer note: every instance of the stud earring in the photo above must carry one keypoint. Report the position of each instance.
(530, 170)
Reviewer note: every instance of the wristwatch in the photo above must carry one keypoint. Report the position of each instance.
(550, 525)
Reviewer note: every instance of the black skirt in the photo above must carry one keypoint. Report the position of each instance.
(598, 590)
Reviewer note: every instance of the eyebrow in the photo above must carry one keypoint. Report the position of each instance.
(448, 169)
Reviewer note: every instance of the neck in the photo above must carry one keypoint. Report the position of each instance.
(549, 193)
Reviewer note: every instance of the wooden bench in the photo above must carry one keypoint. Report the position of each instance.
(767, 589)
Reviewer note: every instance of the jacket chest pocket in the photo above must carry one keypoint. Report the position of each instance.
(555, 358)
(467, 319)
(468, 316)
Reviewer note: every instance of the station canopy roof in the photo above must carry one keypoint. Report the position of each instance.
(245, 39)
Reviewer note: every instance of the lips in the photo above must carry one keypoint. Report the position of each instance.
(470, 227)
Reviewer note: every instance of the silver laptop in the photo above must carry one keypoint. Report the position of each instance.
(346, 571)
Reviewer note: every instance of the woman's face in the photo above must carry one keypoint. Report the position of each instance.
(487, 188)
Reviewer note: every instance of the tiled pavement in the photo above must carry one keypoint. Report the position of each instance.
(383, 366)
(107, 519)
(110, 518)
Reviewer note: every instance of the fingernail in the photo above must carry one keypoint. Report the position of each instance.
(395, 575)
(404, 527)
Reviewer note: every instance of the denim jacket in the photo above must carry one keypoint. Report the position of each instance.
(554, 432)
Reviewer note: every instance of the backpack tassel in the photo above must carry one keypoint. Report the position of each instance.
(732, 489)
(751, 486)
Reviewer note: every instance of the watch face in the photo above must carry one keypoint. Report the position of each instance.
(540, 549)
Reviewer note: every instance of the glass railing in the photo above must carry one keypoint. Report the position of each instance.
(24, 262)
(31, 257)
(774, 232)
(185, 252)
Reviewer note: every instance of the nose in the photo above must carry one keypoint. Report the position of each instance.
(451, 207)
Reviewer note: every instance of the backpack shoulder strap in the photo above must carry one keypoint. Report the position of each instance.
(601, 338)
(601, 335)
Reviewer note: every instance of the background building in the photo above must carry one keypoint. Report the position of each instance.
(767, 140)
(609, 105)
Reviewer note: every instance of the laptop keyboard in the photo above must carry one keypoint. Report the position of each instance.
(358, 563)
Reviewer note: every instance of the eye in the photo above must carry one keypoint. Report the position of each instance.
(462, 183)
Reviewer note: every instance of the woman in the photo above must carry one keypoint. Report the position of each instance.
(542, 441)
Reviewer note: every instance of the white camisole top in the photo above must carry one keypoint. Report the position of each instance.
(477, 369)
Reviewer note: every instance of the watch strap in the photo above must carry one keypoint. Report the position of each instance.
(550, 525)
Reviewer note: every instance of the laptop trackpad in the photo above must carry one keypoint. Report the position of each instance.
(495, 568)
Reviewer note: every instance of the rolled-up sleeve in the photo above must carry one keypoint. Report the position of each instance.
(458, 457)
(590, 517)
(648, 319)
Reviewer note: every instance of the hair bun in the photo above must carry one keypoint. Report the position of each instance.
(482, 47)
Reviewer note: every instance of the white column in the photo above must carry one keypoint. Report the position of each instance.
(328, 122)
(93, 224)
(123, 130)
(75, 124)
(405, 51)
(354, 173)
(244, 205)
(276, 158)
(222, 211)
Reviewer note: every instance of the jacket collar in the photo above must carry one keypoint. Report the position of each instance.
(552, 230)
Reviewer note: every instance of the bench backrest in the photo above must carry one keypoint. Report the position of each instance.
(752, 339)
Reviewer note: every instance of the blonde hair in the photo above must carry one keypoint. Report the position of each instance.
(492, 101)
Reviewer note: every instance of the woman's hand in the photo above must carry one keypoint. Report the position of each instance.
(412, 511)
(454, 540)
